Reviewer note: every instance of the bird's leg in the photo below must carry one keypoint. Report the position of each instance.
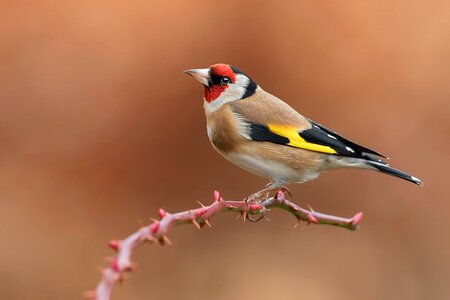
(264, 193)
(261, 196)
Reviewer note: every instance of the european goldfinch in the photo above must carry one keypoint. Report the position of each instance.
(262, 134)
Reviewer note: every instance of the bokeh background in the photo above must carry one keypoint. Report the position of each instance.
(99, 128)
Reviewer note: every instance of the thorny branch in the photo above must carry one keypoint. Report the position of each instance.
(156, 232)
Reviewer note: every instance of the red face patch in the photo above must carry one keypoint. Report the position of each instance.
(215, 90)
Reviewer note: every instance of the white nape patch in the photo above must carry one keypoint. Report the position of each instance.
(350, 149)
(233, 92)
(331, 136)
(277, 172)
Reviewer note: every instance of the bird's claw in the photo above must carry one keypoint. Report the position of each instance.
(257, 219)
(260, 216)
(285, 190)
(251, 206)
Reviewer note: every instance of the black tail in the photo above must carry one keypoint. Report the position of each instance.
(391, 171)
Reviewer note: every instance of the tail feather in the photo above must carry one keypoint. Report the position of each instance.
(383, 168)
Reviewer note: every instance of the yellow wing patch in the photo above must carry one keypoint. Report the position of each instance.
(295, 140)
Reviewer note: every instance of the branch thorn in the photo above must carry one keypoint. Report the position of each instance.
(312, 219)
(114, 244)
(357, 218)
(166, 240)
(217, 196)
(196, 223)
(244, 215)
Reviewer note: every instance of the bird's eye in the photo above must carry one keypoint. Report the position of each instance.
(225, 80)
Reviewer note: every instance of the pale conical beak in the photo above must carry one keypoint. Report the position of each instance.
(201, 75)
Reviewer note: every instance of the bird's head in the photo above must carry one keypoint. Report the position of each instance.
(223, 83)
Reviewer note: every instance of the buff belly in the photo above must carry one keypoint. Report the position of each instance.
(277, 172)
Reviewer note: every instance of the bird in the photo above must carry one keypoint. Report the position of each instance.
(262, 134)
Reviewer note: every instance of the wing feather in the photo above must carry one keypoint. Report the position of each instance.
(345, 141)
(314, 139)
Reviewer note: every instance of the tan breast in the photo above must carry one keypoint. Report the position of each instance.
(223, 129)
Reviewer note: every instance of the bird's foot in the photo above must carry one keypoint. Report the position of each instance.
(261, 216)
(253, 203)
(286, 192)
(254, 211)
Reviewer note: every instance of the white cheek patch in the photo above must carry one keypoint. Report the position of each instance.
(234, 91)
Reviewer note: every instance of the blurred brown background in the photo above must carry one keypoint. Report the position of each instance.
(99, 128)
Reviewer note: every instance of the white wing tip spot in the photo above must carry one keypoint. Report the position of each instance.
(350, 149)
